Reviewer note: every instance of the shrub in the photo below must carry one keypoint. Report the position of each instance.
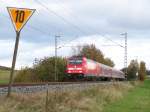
(43, 70)
(25, 75)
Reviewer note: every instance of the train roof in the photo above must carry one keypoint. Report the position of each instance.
(76, 57)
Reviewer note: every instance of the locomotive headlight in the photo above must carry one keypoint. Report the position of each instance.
(79, 68)
(70, 68)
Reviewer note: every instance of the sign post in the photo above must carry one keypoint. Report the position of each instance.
(19, 17)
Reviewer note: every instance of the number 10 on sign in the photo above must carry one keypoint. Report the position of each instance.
(20, 16)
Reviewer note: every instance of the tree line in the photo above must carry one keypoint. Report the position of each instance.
(44, 69)
(136, 71)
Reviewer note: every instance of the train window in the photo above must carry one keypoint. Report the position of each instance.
(74, 62)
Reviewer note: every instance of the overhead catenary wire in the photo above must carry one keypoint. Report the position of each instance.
(66, 21)
(37, 29)
(48, 22)
(90, 28)
(61, 17)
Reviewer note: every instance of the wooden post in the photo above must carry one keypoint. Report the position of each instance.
(13, 63)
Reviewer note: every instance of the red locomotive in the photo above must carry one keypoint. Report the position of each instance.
(86, 68)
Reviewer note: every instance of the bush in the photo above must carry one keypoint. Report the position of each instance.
(25, 75)
(43, 70)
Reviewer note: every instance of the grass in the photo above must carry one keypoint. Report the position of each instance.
(4, 76)
(137, 100)
(90, 100)
(118, 97)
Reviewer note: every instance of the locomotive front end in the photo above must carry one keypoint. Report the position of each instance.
(75, 67)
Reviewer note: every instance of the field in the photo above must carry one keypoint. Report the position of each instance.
(137, 100)
(124, 97)
(90, 100)
(4, 76)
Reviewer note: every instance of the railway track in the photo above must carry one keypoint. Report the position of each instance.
(50, 83)
(51, 86)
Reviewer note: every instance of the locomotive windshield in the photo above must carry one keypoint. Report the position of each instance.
(75, 61)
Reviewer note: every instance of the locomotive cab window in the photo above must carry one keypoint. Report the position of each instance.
(75, 62)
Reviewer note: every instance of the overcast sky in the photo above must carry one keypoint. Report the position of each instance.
(78, 22)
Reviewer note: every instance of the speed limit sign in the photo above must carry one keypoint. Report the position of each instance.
(20, 16)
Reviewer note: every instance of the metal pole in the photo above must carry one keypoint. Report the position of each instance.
(55, 58)
(125, 53)
(56, 77)
(13, 63)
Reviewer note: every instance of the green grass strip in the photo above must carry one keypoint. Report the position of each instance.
(137, 100)
(4, 76)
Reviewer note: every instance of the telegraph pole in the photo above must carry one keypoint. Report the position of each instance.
(125, 53)
(56, 37)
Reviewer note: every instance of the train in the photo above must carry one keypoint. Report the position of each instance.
(79, 67)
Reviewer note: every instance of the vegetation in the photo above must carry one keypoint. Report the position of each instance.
(132, 70)
(43, 70)
(4, 68)
(124, 97)
(137, 100)
(4, 76)
(142, 71)
(148, 72)
(89, 100)
(25, 75)
(136, 71)
(91, 52)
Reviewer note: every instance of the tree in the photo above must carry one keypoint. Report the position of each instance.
(109, 62)
(142, 71)
(132, 70)
(43, 70)
(148, 72)
(91, 52)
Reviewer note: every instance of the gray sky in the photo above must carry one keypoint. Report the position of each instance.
(78, 22)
